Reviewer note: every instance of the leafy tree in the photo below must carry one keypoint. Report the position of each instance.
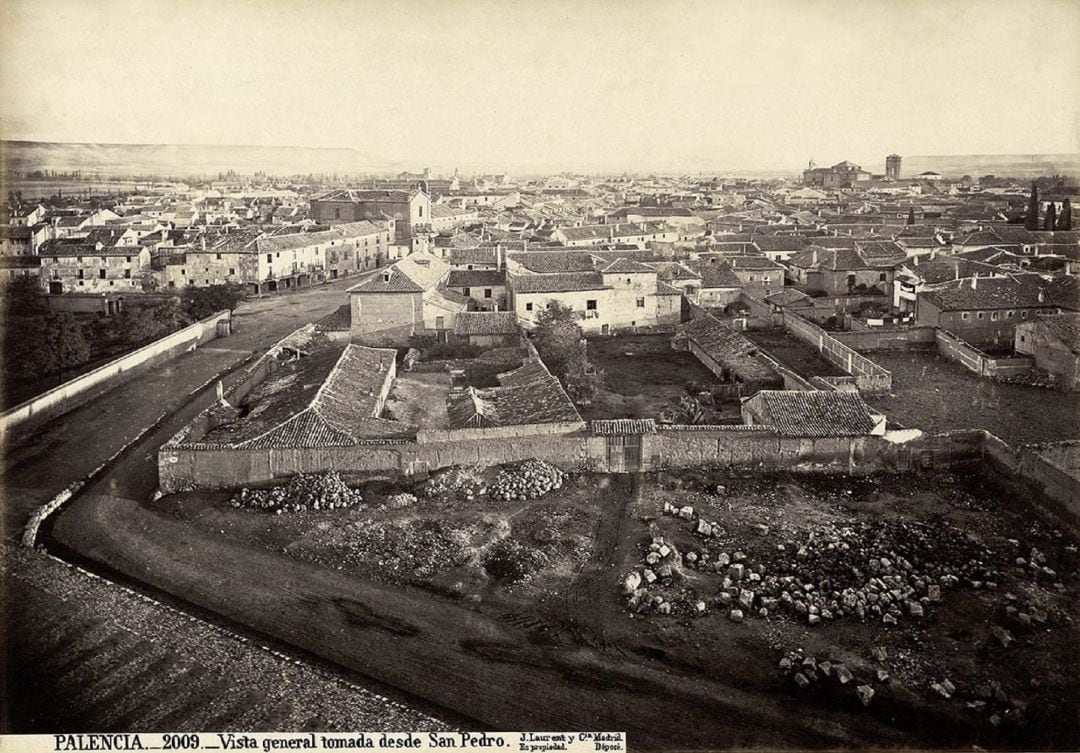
(149, 282)
(23, 296)
(1031, 220)
(39, 346)
(1064, 221)
(559, 341)
(200, 303)
(1051, 217)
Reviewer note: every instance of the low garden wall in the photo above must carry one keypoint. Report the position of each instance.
(888, 339)
(971, 358)
(869, 377)
(1044, 467)
(82, 389)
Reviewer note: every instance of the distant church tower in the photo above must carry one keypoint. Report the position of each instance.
(892, 167)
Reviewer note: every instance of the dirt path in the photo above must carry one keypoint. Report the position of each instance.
(450, 656)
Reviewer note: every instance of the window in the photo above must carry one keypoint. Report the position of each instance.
(232, 270)
(590, 305)
(980, 315)
(80, 274)
(993, 316)
(440, 323)
(466, 291)
(751, 278)
(128, 259)
(421, 211)
(881, 277)
(183, 272)
(218, 256)
(269, 258)
(101, 274)
(78, 259)
(104, 260)
(1011, 314)
(641, 303)
(528, 307)
(487, 292)
(127, 274)
(965, 315)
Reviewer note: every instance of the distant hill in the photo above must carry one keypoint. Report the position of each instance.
(1002, 165)
(179, 159)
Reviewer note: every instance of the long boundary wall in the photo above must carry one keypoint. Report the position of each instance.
(189, 466)
(1032, 464)
(869, 377)
(82, 389)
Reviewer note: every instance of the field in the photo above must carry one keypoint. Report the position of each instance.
(934, 394)
(643, 376)
(983, 569)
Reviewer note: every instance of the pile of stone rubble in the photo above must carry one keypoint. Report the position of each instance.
(305, 491)
(531, 479)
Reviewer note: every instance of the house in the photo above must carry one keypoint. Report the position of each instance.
(1000, 236)
(758, 275)
(404, 299)
(780, 247)
(812, 414)
(916, 277)
(639, 235)
(16, 240)
(1054, 341)
(864, 268)
(487, 329)
(485, 287)
(986, 311)
(13, 267)
(719, 286)
(74, 265)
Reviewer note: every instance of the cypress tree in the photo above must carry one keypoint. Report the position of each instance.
(1064, 220)
(1031, 219)
(1051, 217)
(911, 215)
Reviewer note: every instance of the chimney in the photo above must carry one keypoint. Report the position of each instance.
(1042, 297)
(220, 389)
(813, 258)
(975, 282)
(498, 256)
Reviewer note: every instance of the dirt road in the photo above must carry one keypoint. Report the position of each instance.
(439, 651)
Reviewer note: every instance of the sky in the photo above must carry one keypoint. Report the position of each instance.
(549, 85)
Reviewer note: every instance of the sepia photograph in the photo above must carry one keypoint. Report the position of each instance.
(537, 376)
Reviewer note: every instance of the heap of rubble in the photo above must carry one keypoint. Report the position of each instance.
(305, 491)
(530, 479)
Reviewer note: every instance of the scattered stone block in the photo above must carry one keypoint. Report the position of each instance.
(865, 694)
(735, 615)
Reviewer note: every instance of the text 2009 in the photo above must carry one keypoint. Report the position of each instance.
(180, 742)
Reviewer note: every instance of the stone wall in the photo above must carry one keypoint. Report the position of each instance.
(971, 358)
(82, 389)
(888, 339)
(869, 377)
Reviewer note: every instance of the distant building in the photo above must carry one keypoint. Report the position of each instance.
(410, 209)
(841, 175)
(892, 167)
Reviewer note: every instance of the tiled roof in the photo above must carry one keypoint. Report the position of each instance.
(715, 274)
(339, 321)
(20, 262)
(618, 427)
(326, 399)
(989, 293)
(473, 255)
(673, 270)
(627, 267)
(15, 232)
(779, 243)
(621, 230)
(527, 395)
(818, 413)
(486, 323)
(549, 262)
(787, 297)
(476, 278)
(558, 283)
(754, 263)
(727, 347)
(1065, 327)
(413, 274)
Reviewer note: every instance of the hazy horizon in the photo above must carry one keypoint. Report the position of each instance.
(673, 87)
